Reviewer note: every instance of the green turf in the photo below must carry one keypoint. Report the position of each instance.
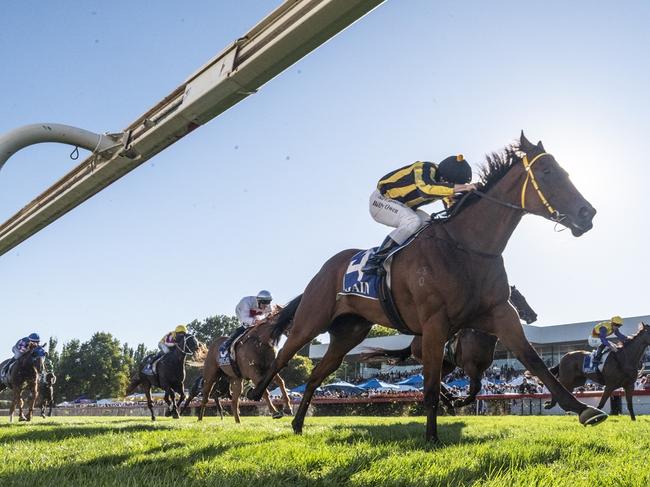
(337, 451)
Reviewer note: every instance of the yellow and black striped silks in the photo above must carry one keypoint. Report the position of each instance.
(414, 185)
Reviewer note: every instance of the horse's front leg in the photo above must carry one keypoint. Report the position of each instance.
(629, 390)
(147, 392)
(504, 323)
(433, 343)
(172, 400)
(33, 392)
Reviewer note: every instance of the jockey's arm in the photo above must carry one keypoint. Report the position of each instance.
(432, 188)
(620, 336)
(602, 334)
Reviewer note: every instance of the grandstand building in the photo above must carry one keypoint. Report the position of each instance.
(551, 343)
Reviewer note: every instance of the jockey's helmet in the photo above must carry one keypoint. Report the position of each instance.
(264, 297)
(34, 337)
(455, 169)
(181, 329)
(617, 320)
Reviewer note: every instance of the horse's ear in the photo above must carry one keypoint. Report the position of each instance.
(524, 143)
(540, 146)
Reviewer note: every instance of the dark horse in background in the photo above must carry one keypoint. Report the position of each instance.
(169, 374)
(474, 353)
(254, 354)
(451, 276)
(47, 393)
(24, 375)
(621, 369)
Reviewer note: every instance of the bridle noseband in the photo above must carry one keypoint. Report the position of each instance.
(184, 349)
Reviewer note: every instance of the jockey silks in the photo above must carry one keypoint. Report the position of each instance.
(414, 185)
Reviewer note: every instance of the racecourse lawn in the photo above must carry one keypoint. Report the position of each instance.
(337, 451)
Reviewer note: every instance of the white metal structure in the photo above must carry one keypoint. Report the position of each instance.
(290, 32)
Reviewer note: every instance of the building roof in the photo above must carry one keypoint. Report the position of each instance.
(537, 335)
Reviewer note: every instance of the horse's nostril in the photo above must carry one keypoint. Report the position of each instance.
(586, 213)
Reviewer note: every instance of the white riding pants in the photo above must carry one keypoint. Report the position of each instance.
(397, 215)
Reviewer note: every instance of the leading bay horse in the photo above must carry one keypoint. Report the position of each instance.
(474, 353)
(620, 369)
(24, 375)
(451, 276)
(169, 375)
(254, 354)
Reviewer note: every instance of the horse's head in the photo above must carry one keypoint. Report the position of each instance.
(187, 344)
(37, 357)
(644, 332)
(547, 190)
(518, 300)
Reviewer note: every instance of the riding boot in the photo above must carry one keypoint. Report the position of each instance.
(233, 337)
(598, 356)
(375, 260)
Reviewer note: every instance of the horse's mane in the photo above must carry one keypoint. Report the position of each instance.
(264, 329)
(495, 167)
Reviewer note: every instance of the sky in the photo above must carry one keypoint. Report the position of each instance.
(262, 195)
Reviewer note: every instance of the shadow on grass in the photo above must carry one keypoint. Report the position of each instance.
(56, 432)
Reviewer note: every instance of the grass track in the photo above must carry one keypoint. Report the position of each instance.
(337, 451)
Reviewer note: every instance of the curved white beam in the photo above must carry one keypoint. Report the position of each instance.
(11, 142)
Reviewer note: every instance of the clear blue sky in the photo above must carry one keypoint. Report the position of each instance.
(261, 196)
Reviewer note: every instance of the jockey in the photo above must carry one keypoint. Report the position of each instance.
(249, 311)
(24, 344)
(400, 193)
(599, 336)
(168, 341)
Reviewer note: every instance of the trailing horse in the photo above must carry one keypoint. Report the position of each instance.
(451, 276)
(24, 375)
(473, 352)
(619, 370)
(47, 393)
(169, 374)
(254, 354)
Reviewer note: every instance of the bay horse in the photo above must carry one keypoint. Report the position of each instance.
(451, 276)
(474, 353)
(169, 375)
(47, 393)
(24, 375)
(254, 353)
(621, 369)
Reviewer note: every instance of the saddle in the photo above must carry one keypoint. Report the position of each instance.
(227, 355)
(587, 365)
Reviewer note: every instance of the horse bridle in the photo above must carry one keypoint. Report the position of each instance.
(184, 350)
(556, 216)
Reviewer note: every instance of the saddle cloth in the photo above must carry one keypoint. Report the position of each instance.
(358, 283)
(150, 368)
(5, 369)
(226, 355)
(587, 365)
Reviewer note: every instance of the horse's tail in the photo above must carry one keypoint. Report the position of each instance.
(285, 318)
(135, 382)
(555, 370)
(400, 355)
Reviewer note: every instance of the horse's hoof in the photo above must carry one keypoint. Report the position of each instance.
(297, 428)
(277, 415)
(548, 405)
(591, 416)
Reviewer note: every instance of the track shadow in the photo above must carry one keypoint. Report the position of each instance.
(56, 432)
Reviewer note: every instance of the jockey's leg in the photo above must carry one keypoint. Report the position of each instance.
(237, 333)
(599, 355)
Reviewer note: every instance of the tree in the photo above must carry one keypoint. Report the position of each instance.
(381, 331)
(139, 355)
(297, 371)
(213, 327)
(104, 368)
(53, 355)
(69, 381)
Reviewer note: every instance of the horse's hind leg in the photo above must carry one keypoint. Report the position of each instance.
(33, 395)
(629, 389)
(346, 333)
(304, 329)
(236, 388)
(208, 384)
(147, 392)
(285, 396)
(474, 387)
